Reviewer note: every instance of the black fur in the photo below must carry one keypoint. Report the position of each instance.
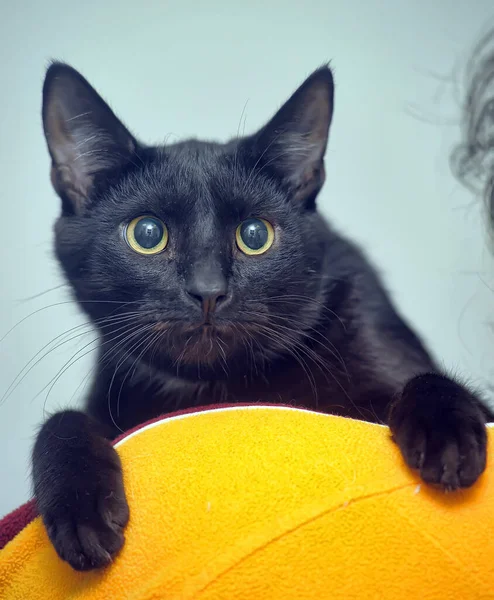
(307, 323)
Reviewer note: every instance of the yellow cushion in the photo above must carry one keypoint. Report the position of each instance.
(269, 503)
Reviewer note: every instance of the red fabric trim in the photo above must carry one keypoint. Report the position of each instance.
(187, 411)
(13, 523)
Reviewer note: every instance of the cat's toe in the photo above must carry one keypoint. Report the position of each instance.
(454, 462)
(89, 534)
(85, 546)
(440, 429)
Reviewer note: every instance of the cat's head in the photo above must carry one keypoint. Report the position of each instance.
(195, 254)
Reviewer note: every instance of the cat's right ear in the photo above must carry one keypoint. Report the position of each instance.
(88, 144)
(292, 145)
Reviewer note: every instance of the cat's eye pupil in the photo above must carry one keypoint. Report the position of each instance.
(148, 232)
(254, 233)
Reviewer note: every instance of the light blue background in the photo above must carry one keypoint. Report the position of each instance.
(174, 69)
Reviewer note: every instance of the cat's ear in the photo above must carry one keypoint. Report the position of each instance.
(88, 145)
(292, 145)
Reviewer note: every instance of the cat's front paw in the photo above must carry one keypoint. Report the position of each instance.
(85, 512)
(440, 428)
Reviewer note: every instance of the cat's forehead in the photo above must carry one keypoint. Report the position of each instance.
(202, 178)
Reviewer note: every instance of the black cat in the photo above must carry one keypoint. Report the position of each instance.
(211, 277)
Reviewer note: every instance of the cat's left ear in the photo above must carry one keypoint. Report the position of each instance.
(292, 145)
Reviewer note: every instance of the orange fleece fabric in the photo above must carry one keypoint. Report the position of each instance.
(269, 503)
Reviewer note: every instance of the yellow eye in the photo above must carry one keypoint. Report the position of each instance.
(254, 236)
(146, 235)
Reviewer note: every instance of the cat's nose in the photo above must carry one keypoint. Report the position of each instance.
(207, 289)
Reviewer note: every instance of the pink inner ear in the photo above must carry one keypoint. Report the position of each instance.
(66, 183)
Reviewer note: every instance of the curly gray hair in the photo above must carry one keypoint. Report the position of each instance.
(473, 159)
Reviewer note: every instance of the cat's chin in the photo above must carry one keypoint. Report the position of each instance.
(205, 344)
(217, 346)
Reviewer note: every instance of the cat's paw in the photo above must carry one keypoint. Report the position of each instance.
(88, 533)
(84, 509)
(440, 428)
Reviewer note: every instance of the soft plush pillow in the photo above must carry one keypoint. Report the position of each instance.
(261, 502)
